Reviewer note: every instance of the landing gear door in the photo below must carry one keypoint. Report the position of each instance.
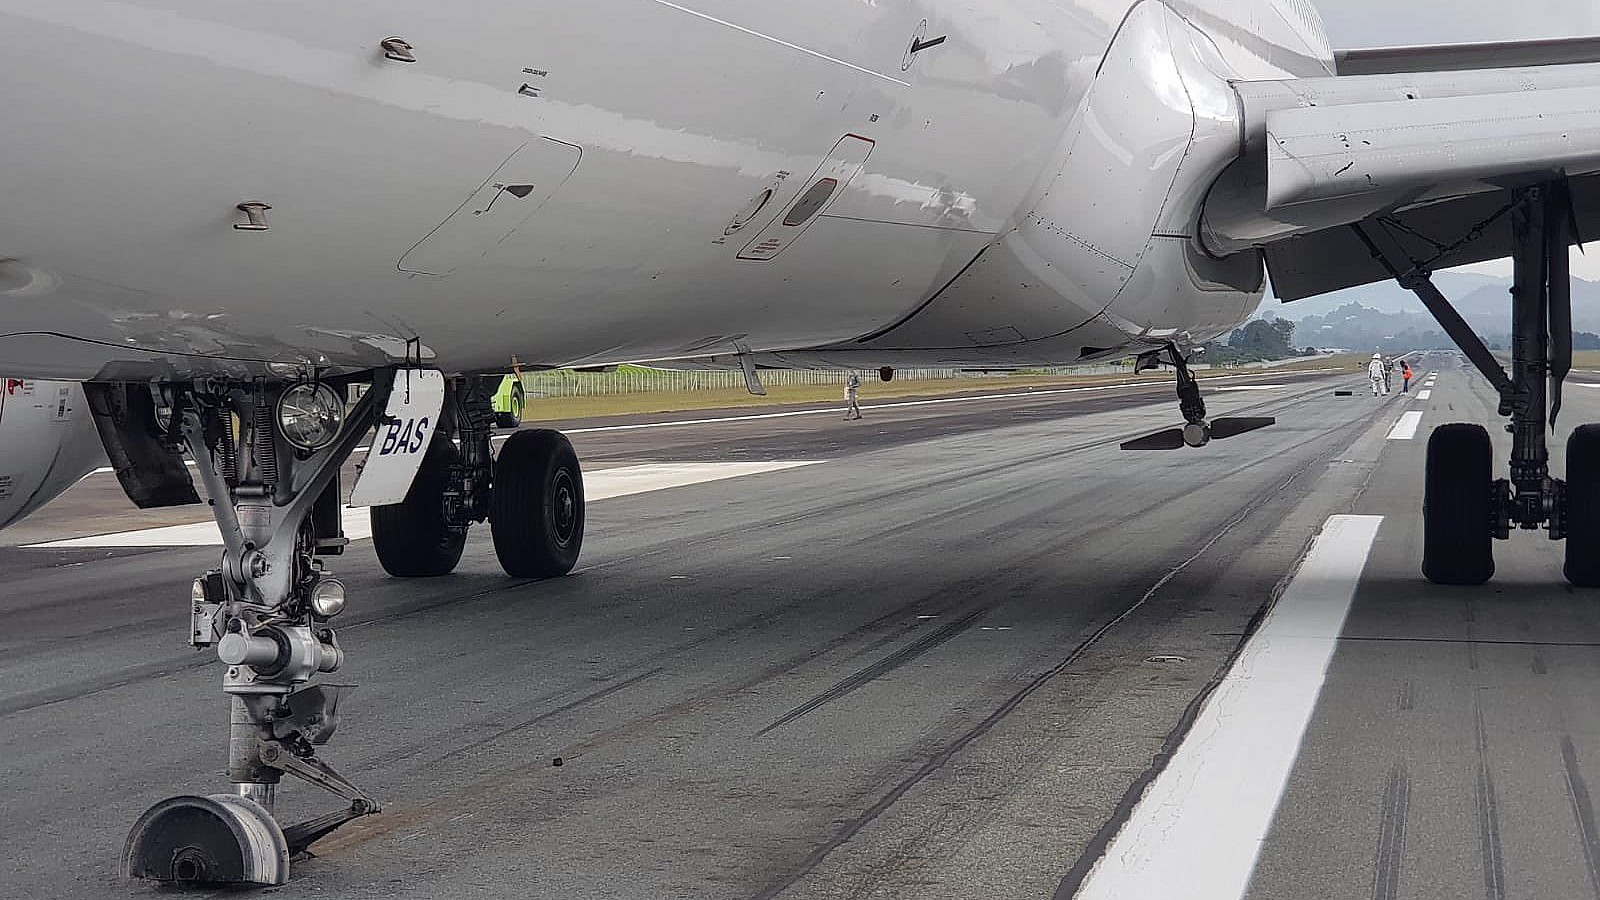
(400, 438)
(510, 196)
(819, 192)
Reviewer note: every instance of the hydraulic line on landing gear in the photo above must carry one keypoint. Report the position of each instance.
(267, 611)
(1465, 508)
(1541, 345)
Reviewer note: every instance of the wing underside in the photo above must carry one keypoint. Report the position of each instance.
(1430, 154)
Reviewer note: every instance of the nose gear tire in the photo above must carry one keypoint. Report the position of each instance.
(220, 840)
(1583, 507)
(1458, 541)
(413, 539)
(536, 506)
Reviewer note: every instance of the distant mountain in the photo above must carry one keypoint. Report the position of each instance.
(1387, 316)
(1384, 297)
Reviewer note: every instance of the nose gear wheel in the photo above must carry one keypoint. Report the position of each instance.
(220, 840)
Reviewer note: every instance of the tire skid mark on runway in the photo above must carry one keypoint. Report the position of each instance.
(576, 703)
(1582, 811)
(1386, 866)
(906, 654)
(1494, 872)
(88, 687)
(1098, 846)
(748, 624)
(395, 820)
(942, 755)
(882, 667)
(181, 664)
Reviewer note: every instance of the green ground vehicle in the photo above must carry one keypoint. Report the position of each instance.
(509, 402)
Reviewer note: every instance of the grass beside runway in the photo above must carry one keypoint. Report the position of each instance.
(556, 409)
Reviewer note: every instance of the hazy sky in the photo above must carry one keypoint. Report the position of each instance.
(1380, 23)
(1384, 23)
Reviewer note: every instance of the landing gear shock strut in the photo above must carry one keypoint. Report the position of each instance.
(266, 611)
(1456, 531)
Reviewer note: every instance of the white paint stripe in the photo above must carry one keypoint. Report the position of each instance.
(782, 43)
(1198, 829)
(1406, 428)
(1424, 394)
(1249, 387)
(602, 484)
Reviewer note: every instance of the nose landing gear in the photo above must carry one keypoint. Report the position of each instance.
(1197, 430)
(266, 611)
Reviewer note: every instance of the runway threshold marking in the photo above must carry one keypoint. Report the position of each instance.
(602, 484)
(1197, 831)
(1406, 428)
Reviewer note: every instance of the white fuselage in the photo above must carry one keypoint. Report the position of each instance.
(573, 183)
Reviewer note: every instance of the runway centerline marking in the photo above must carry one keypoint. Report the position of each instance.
(1406, 428)
(1198, 829)
(601, 484)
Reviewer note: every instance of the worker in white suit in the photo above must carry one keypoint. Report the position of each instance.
(1375, 373)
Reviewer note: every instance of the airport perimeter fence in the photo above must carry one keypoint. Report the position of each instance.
(641, 379)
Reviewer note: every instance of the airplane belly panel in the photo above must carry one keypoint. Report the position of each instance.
(503, 203)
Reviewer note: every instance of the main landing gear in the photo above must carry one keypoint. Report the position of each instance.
(1464, 507)
(1197, 430)
(270, 455)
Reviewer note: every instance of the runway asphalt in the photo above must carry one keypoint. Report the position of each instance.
(946, 659)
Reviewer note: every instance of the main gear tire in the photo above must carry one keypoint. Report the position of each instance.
(1582, 566)
(412, 538)
(1457, 513)
(536, 509)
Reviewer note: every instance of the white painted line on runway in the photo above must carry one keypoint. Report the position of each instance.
(1198, 829)
(1424, 394)
(601, 484)
(1406, 428)
(1249, 387)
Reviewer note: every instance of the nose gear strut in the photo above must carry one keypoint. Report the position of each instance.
(277, 508)
(1197, 430)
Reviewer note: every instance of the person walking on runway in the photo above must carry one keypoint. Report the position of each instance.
(852, 392)
(1405, 377)
(1375, 373)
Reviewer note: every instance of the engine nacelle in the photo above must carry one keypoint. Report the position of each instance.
(47, 443)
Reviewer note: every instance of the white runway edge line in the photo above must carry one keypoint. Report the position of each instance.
(1198, 829)
(1406, 428)
(601, 484)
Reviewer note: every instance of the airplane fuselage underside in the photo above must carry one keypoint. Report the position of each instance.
(585, 183)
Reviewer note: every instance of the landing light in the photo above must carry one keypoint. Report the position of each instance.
(310, 415)
(327, 598)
